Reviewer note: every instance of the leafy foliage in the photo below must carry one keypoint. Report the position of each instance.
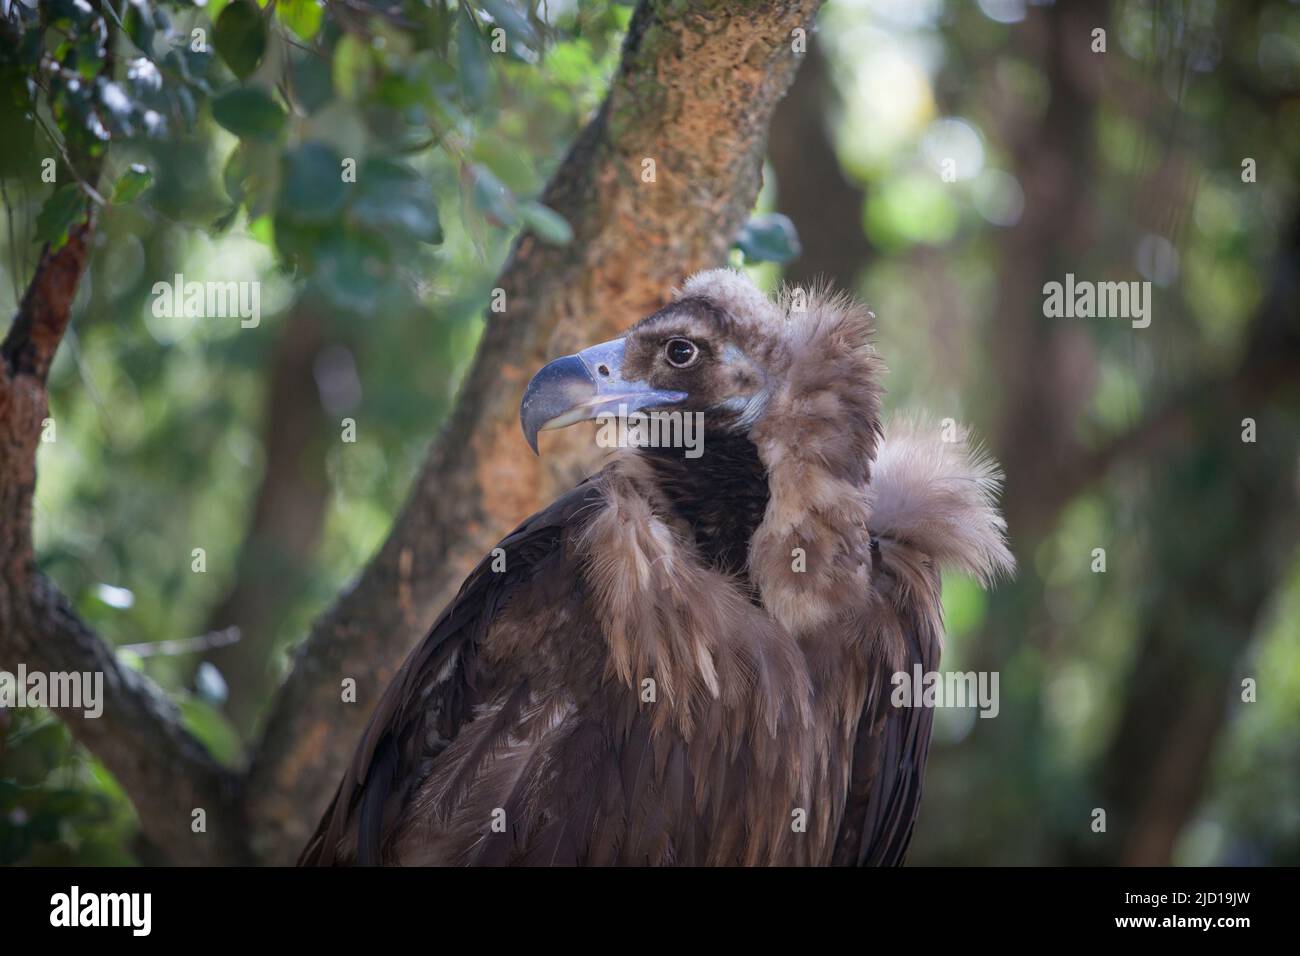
(319, 104)
(337, 156)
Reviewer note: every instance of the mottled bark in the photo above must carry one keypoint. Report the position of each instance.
(25, 359)
(694, 94)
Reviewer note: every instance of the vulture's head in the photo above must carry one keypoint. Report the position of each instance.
(797, 370)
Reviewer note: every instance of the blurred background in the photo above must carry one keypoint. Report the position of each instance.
(1120, 689)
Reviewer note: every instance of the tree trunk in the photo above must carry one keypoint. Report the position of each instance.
(1224, 515)
(811, 187)
(1044, 382)
(1033, 358)
(288, 518)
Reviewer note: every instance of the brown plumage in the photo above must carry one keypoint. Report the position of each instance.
(687, 660)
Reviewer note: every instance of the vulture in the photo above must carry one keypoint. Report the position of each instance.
(687, 660)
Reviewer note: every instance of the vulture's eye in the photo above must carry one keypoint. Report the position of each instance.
(681, 353)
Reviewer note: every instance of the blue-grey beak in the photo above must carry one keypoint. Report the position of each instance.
(578, 388)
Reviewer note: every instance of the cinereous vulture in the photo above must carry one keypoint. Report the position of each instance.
(687, 660)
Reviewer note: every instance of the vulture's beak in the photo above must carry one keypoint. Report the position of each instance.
(584, 386)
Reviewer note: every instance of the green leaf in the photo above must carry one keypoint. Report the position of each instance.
(263, 230)
(312, 84)
(352, 272)
(472, 58)
(296, 244)
(132, 183)
(248, 111)
(64, 207)
(394, 198)
(17, 128)
(350, 66)
(303, 17)
(769, 238)
(240, 37)
(312, 188)
(548, 224)
(90, 53)
(251, 176)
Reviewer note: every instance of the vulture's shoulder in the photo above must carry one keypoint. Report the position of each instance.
(432, 695)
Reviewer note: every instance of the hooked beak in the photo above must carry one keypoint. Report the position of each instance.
(584, 386)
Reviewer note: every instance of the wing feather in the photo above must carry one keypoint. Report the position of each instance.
(432, 695)
(891, 747)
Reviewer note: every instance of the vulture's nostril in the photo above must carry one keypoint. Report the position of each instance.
(603, 369)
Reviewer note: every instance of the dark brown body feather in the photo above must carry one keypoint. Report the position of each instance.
(513, 706)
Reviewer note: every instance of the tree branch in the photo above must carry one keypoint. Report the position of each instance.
(42, 316)
(286, 523)
(139, 735)
(1257, 379)
(655, 189)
